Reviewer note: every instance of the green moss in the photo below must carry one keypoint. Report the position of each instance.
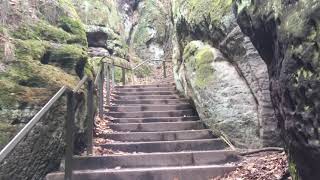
(30, 49)
(97, 12)
(293, 170)
(152, 17)
(204, 69)
(215, 9)
(6, 133)
(75, 27)
(41, 30)
(67, 57)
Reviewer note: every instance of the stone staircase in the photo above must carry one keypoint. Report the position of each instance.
(163, 139)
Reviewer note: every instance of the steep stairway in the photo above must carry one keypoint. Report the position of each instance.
(163, 139)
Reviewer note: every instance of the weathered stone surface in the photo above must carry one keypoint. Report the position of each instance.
(286, 34)
(104, 37)
(213, 22)
(221, 96)
(44, 48)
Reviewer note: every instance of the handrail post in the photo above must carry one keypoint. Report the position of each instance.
(69, 135)
(101, 82)
(108, 83)
(164, 69)
(90, 109)
(112, 74)
(123, 76)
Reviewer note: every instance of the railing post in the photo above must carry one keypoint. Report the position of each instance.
(112, 74)
(123, 76)
(90, 109)
(108, 83)
(69, 135)
(101, 82)
(164, 69)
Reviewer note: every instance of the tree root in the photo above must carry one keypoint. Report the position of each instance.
(275, 149)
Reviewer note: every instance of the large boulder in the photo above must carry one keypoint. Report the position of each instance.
(214, 23)
(286, 34)
(220, 94)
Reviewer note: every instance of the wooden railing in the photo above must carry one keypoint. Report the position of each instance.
(105, 74)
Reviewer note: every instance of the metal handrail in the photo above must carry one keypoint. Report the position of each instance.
(27, 128)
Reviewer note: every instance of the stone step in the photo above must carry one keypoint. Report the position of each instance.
(145, 114)
(160, 136)
(205, 172)
(146, 89)
(151, 101)
(135, 97)
(145, 93)
(157, 127)
(168, 146)
(146, 86)
(192, 158)
(150, 108)
(155, 119)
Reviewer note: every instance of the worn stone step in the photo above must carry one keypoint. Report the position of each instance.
(157, 127)
(146, 86)
(145, 114)
(155, 119)
(168, 146)
(135, 97)
(151, 101)
(131, 108)
(160, 136)
(192, 158)
(145, 93)
(146, 89)
(205, 172)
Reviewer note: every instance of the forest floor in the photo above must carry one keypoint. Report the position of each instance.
(260, 166)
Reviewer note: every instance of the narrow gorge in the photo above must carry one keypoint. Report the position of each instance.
(244, 70)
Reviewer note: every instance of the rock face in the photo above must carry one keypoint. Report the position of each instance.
(104, 37)
(222, 97)
(286, 34)
(213, 23)
(41, 50)
(150, 32)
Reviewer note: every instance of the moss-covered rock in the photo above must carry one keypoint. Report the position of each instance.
(287, 35)
(41, 30)
(71, 58)
(223, 100)
(75, 27)
(41, 52)
(100, 12)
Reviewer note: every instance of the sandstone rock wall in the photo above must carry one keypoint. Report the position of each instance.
(286, 34)
(43, 46)
(213, 23)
